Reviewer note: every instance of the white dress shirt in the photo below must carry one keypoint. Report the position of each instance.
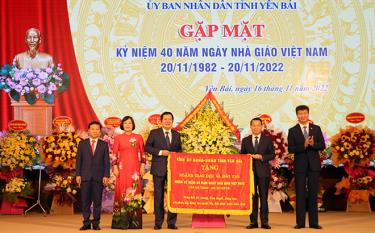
(307, 128)
(169, 135)
(253, 139)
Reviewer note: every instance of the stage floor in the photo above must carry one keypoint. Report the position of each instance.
(331, 222)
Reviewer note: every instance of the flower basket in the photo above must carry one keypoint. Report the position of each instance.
(60, 149)
(62, 204)
(353, 146)
(274, 206)
(128, 220)
(33, 84)
(15, 208)
(358, 201)
(17, 151)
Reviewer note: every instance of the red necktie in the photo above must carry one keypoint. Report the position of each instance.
(93, 147)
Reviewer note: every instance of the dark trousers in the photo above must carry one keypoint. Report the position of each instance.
(261, 191)
(159, 183)
(91, 192)
(312, 192)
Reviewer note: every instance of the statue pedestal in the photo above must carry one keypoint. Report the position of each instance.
(37, 116)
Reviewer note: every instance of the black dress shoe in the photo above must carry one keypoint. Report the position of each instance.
(252, 226)
(85, 227)
(266, 226)
(156, 227)
(298, 226)
(316, 226)
(172, 227)
(96, 228)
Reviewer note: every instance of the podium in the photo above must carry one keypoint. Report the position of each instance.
(37, 116)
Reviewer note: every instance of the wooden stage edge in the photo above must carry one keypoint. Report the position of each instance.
(335, 222)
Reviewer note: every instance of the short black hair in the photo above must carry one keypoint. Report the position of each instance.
(125, 118)
(94, 123)
(301, 108)
(256, 119)
(166, 113)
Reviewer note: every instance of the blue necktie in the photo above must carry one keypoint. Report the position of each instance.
(256, 144)
(305, 134)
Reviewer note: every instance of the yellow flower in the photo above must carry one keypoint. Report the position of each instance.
(347, 146)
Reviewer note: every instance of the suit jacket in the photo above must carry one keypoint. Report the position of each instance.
(155, 143)
(306, 159)
(265, 148)
(92, 166)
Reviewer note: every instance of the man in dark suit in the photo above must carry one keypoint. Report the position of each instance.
(305, 140)
(261, 149)
(92, 172)
(160, 143)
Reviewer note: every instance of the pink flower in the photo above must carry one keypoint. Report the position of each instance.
(129, 194)
(42, 89)
(18, 88)
(135, 177)
(36, 82)
(24, 81)
(30, 75)
(17, 75)
(43, 75)
(49, 70)
(52, 87)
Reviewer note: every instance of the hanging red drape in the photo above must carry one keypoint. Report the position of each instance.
(52, 19)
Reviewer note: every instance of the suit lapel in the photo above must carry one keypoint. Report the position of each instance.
(261, 142)
(311, 130)
(299, 132)
(88, 146)
(97, 146)
(173, 137)
(164, 140)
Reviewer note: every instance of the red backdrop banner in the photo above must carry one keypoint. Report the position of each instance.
(52, 19)
(210, 183)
